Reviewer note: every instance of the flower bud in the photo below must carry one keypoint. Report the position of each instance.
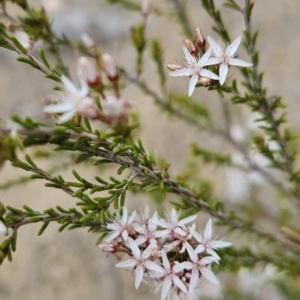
(205, 81)
(87, 41)
(146, 8)
(191, 47)
(174, 67)
(201, 42)
(115, 110)
(87, 70)
(106, 247)
(110, 67)
(3, 228)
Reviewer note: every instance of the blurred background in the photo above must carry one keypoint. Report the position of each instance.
(69, 265)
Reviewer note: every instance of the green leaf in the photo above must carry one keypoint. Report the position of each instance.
(43, 58)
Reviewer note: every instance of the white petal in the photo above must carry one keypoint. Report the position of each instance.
(134, 247)
(239, 62)
(223, 73)
(58, 108)
(215, 46)
(213, 253)
(209, 74)
(232, 48)
(209, 275)
(204, 57)
(207, 260)
(111, 236)
(84, 87)
(192, 254)
(150, 265)
(187, 265)
(177, 268)
(188, 219)
(192, 84)
(194, 280)
(208, 230)
(140, 240)
(188, 56)
(139, 272)
(131, 218)
(66, 117)
(197, 236)
(126, 264)
(174, 216)
(125, 215)
(166, 287)
(182, 72)
(69, 85)
(165, 260)
(147, 251)
(125, 235)
(179, 283)
(212, 61)
(199, 249)
(220, 244)
(162, 233)
(179, 231)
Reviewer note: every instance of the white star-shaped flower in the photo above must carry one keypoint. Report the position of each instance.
(73, 101)
(199, 266)
(170, 277)
(173, 225)
(207, 243)
(140, 261)
(225, 58)
(194, 69)
(121, 226)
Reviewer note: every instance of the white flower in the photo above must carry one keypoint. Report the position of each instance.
(121, 226)
(199, 266)
(140, 261)
(3, 228)
(173, 225)
(73, 101)
(207, 243)
(194, 69)
(225, 58)
(170, 277)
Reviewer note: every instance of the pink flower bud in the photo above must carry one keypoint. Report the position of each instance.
(191, 47)
(200, 39)
(110, 67)
(115, 109)
(146, 8)
(174, 67)
(87, 41)
(88, 71)
(205, 81)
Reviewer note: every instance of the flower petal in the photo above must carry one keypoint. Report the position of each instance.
(179, 283)
(188, 219)
(208, 230)
(134, 247)
(188, 56)
(220, 244)
(139, 272)
(125, 215)
(199, 249)
(215, 46)
(126, 264)
(150, 265)
(182, 72)
(58, 108)
(194, 280)
(66, 117)
(212, 61)
(239, 62)
(192, 254)
(232, 48)
(223, 73)
(166, 287)
(209, 74)
(165, 260)
(208, 274)
(204, 57)
(69, 86)
(111, 236)
(192, 84)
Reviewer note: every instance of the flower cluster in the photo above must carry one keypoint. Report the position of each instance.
(196, 66)
(79, 101)
(171, 254)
